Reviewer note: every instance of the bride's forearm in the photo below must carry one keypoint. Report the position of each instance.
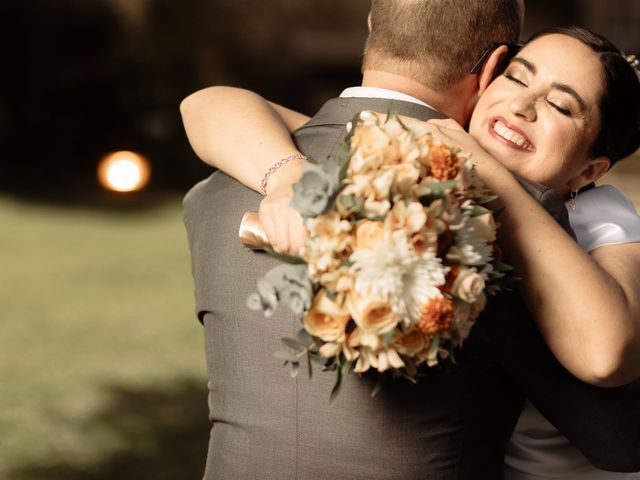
(587, 311)
(240, 133)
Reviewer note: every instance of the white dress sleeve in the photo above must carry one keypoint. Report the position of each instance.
(604, 216)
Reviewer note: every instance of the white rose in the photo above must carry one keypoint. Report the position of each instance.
(468, 285)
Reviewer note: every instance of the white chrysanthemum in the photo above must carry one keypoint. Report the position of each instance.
(399, 276)
(471, 244)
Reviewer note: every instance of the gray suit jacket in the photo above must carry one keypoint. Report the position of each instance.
(453, 425)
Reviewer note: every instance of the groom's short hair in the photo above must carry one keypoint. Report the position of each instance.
(437, 41)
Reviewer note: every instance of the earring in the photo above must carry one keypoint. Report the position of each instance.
(572, 201)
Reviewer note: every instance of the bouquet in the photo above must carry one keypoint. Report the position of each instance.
(400, 255)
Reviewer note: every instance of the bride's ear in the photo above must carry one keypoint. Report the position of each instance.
(492, 66)
(594, 169)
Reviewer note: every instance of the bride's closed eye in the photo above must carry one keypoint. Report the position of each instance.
(515, 78)
(564, 111)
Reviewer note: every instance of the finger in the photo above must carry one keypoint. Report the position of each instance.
(410, 121)
(270, 225)
(446, 123)
(297, 233)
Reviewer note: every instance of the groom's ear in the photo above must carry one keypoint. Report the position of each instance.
(492, 67)
(369, 22)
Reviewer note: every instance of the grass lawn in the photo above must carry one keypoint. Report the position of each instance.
(101, 359)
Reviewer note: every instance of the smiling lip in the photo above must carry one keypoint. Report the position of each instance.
(509, 135)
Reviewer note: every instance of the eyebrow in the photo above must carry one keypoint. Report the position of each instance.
(563, 87)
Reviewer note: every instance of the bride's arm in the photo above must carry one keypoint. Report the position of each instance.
(586, 306)
(243, 135)
(239, 132)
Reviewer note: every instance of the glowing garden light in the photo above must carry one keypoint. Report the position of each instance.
(123, 171)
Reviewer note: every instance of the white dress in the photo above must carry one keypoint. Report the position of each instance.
(604, 216)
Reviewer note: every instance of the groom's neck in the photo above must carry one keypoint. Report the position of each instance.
(449, 102)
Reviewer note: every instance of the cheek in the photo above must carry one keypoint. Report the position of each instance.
(478, 122)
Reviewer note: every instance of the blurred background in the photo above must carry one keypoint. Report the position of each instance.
(101, 357)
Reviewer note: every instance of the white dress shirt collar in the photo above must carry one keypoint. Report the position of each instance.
(374, 92)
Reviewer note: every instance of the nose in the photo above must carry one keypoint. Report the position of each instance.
(524, 106)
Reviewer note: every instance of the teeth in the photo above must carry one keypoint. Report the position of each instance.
(502, 130)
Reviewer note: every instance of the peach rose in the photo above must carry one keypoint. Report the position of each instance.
(410, 343)
(326, 320)
(371, 314)
(369, 234)
(364, 339)
(338, 281)
(370, 146)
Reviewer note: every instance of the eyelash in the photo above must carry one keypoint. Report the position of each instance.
(514, 79)
(561, 110)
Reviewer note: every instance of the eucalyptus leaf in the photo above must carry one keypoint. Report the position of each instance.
(254, 302)
(294, 369)
(411, 379)
(378, 386)
(484, 199)
(502, 267)
(375, 218)
(335, 391)
(402, 124)
(387, 338)
(316, 358)
(309, 364)
(347, 201)
(303, 337)
(283, 257)
(391, 111)
(286, 356)
(438, 187)
(293, 343)
(346, 263)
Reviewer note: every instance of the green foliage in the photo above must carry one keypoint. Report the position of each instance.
(302, 345)
(283, 257)
(94, 302)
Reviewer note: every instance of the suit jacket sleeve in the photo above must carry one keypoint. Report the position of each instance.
(603, 423)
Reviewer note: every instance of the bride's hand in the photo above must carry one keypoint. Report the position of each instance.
(282, 223)
(451, 133)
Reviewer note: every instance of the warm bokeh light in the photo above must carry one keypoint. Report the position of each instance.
(124, 171)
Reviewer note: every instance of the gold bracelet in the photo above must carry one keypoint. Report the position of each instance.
(276, 166)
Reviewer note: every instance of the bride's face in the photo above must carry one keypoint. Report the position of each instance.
(541, 116)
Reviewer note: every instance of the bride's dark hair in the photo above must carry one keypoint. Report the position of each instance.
(619, 134)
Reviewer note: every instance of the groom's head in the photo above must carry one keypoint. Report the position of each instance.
(436, 42)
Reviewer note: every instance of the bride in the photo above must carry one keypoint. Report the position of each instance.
(566, 108)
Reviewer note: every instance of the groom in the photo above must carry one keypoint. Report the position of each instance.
(456, 421)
